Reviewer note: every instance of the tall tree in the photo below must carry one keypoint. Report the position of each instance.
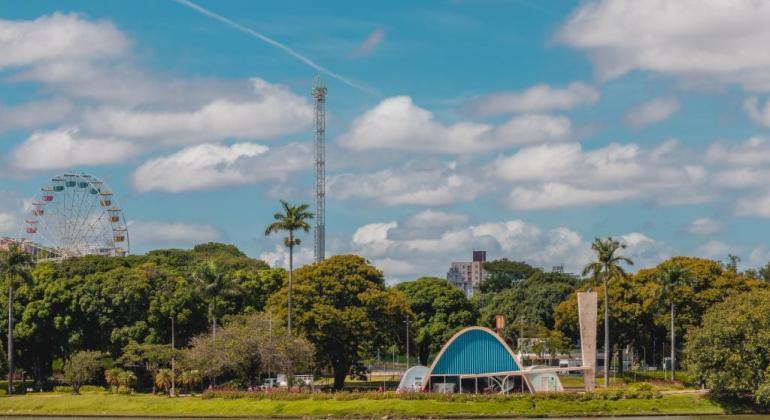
(15, 267)
(606, 268)
(213, 284)
(347, 311)
(291, 219)
(671, 278)
(440, 309)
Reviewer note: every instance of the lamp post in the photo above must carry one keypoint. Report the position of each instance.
(407, 343)
(173, 358)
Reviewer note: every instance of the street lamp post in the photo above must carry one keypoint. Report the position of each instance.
(407, 343)
(173, 359)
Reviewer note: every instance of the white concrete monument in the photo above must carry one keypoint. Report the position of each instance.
(587, 306)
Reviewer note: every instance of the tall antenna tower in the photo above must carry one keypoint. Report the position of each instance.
(319, 93)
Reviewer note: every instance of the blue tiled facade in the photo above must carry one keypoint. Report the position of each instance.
(475, 352)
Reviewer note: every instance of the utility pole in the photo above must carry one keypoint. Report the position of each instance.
(173, 359)
(319, 93)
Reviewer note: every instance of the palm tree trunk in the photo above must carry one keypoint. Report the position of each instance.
(606, 335)
(10, 338)
(673, 344)
(291, 275)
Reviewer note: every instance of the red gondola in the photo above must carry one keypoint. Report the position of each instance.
(47, 198)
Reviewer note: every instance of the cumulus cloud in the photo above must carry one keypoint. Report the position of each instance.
(556, 195)
(150, 232)
(760, 114)
(404, 254)
(643, 250)
(12, 209)
(418, 183)
(694, 40)
(713, 249)
(398, 124)
(740, 165)
(756, 205)
(279, 257)
(537, 98)
(434, 218)
(34, 114)
(273, 111)
(705, 226)
(653, 111)
(563, 175)
(369, 44)
(213, 165)
(58, 37)
(65, 148)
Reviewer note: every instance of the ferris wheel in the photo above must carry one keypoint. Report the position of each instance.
(75, 215)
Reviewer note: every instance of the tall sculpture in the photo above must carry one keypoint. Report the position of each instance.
(587, 304)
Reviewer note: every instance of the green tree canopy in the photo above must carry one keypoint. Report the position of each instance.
(440, 309)
(637, 313)
(531, 302)
(730, 352)
(345, 310)
(503, 274)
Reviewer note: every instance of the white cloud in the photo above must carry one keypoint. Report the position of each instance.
(758, 114)
(65, 148)
(653, 111)
(405, 255)
(369, 44)
(60, 37)
(214, 165)
(432, 218)
(695, 40)
(423, 183)
(537, 98)
(713, 249)
(397, 123)
(740, 165)
(155, 232)
(705, 226)
(563, 175)
(750, 152)
(34, 114)
(279, 257)
(555, 195)
(757, 204)
(272, 111)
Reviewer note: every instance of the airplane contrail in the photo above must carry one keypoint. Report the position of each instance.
(271, 41)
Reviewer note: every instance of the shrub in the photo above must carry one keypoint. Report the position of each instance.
(82, 367)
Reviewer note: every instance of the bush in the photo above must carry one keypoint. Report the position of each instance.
(82, 367)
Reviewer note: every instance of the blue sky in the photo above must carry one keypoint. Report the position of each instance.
(524, 128)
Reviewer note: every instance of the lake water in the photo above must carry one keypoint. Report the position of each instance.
(741, 417)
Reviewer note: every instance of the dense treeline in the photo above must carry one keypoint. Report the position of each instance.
(103, 304)
(229, 312)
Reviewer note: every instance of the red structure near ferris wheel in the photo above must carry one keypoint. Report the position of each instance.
(75, 215)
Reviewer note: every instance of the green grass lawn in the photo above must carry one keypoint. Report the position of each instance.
(151, 405)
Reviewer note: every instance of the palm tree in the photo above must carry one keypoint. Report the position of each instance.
(212, 284)
(189, 379)
(291, 219)
(605, 268)
(15, 266)
(670, 279)
(163, 379)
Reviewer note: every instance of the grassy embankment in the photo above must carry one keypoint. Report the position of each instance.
(151, 405)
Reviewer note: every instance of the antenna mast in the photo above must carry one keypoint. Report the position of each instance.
(319, 93)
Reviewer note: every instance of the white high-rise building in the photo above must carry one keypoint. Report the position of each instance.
(468, 276)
